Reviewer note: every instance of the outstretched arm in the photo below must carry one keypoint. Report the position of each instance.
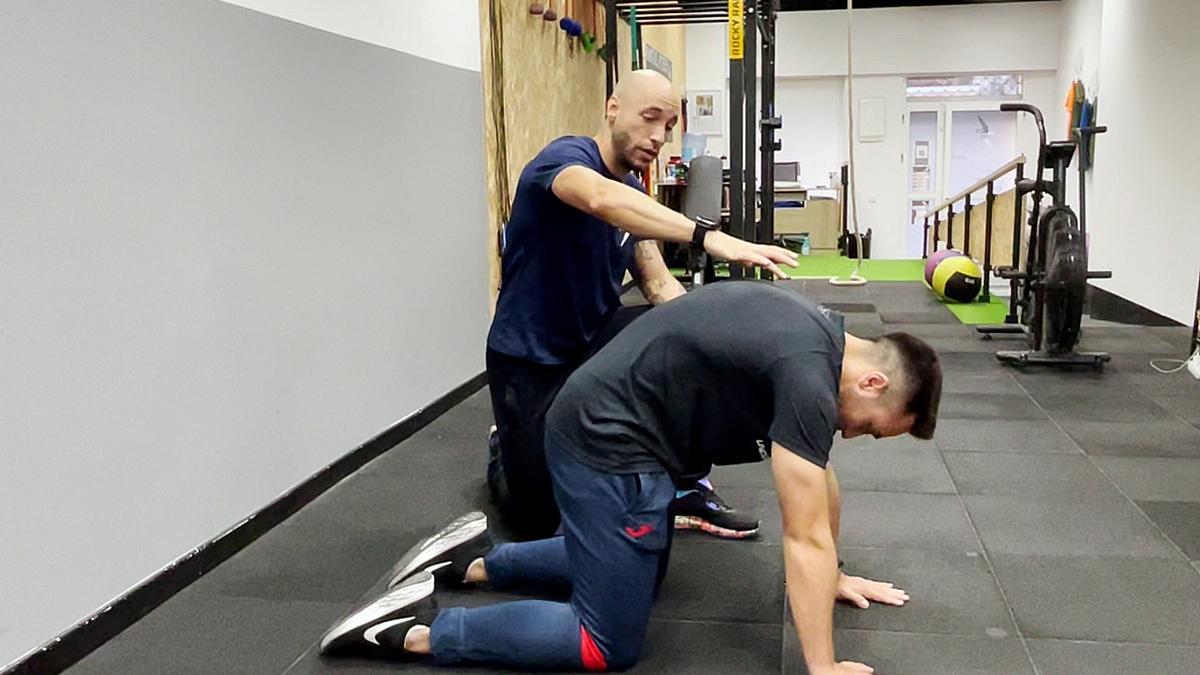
(631, 210)
(857, 591)
(810, 557)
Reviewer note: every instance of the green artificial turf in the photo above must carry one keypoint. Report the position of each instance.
(872, 270)
(977, 313)
(825, 265)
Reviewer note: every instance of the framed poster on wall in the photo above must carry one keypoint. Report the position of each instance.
(704, 112)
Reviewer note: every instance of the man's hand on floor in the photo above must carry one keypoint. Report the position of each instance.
(860, 592)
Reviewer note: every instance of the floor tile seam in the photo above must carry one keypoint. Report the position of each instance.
(905, 549)
(715, 622)
(989, 419)
(917, 633)
(714, 541)
(1149, 396)
(893, 492)
(1172, 559)
(298, 659)
(987, 559)
(900, 492)
(894, 549)
(1142, 512)
(1059, 638)
(1170, 556)
(1091, 460)
(1124, 643)
(1006, 452)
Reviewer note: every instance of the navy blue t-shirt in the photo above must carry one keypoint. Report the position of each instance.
(562, 268)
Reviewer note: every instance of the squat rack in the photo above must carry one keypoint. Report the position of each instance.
(750, 22)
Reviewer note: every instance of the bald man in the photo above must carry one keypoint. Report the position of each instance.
(579, 221)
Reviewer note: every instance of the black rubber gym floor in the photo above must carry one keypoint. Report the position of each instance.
(1052, 527)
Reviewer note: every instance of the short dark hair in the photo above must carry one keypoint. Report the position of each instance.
(922, 373)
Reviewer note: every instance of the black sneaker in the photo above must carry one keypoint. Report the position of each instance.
(448, 552)
(382, 624)
(700, 508)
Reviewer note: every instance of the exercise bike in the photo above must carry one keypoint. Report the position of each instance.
(1049, 294)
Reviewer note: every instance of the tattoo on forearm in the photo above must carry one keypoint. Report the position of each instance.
(656, 282)
(644, 251)
(654, 291)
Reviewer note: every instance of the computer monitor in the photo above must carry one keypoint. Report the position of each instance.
(787, 172)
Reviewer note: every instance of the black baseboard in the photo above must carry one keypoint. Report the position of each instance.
(72, 645)
(1107, 306)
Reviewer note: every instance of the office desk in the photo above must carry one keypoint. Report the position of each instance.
(820, 215)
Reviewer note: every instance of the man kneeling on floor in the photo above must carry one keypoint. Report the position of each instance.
(703, 380)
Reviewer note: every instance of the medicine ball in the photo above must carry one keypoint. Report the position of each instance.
(957, 278)
(936, 258)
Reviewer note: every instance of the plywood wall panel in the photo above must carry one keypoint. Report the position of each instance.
(551, 88)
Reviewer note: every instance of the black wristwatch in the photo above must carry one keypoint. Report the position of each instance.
(703, 227)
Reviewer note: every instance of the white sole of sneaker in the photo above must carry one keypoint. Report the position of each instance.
(394, 601)
(460, 530)
(698, 523)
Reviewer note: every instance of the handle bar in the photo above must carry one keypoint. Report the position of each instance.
(1041, 124)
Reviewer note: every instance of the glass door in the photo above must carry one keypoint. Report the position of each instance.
(980, 141)
(924, 175)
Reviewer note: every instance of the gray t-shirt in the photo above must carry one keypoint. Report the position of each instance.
(710, 378)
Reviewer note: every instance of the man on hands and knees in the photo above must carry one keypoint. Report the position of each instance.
(579, 221)
(670, 396)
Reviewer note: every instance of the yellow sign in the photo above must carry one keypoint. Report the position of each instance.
(736, 25)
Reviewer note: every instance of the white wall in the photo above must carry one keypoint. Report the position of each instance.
(814, 126)
(1141, 221)
(1079, 59)
(446, 31)
(881, 167)
(1042, 90)
(1079, 50)
(890, 45)
(913, 40)
(907, 41)
(223, 255)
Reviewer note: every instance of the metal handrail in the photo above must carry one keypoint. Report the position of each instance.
(981, 183)
(989, 181)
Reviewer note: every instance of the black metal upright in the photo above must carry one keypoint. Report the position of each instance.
(987, 242)
(967, 225)
(1196, 320)
(610, 46)
(737, 107)
(639, 50)
(749, 22)
(1018, 211)
(750, 130)
(768, 122)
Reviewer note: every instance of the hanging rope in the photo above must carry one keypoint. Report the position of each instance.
(852, 189)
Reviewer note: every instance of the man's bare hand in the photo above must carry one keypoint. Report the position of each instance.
(734, 250)
(860, 592)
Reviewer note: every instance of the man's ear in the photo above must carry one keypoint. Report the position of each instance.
(611, 108)
(873, 384)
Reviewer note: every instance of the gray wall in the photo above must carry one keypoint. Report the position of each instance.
(232, 248)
